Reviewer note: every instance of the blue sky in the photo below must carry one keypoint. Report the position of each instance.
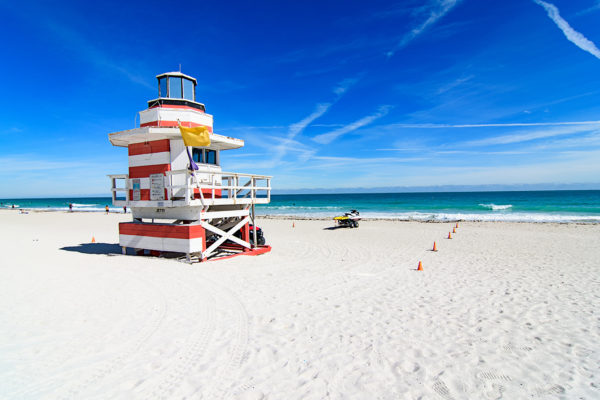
(326, 94)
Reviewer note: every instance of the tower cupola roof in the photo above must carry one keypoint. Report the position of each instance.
(176, 88)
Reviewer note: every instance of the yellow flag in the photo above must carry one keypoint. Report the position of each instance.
(196, 136)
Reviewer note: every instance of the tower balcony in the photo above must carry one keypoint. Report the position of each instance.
(181, 188)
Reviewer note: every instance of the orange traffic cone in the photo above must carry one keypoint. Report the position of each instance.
(453, 230)
(420, 267)
(293, 224)
(93, 239)
(456, 225)
(434, 247)
(449, 235)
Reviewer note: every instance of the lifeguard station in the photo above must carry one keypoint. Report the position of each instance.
(180, 199)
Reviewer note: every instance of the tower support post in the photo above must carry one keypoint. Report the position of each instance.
(254, 227)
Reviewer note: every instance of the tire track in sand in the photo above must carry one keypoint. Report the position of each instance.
(178, 370)
(114, 365)
(106, 367)
(227, 374)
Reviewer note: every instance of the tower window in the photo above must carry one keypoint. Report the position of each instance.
(162, 87)
(175, 88)
(188, 90)
(210, 157)
(175, 85)
(197, 156)
(204, 156)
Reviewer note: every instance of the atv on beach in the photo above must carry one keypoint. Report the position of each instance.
(349, 219)
(260, 237)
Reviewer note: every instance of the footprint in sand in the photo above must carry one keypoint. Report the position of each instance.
(553, 389)
(442, 390)
(495, 391)
(492, 376)
(409, 366)
(511, 348)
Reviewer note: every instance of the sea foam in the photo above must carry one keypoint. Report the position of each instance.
(496, 207)
(445, 217)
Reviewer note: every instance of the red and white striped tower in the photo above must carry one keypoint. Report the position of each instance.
(199, 214)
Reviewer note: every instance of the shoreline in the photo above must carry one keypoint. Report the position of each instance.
(595, 221)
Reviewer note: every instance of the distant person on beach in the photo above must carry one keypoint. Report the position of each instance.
(13, 206)
(71, 207)
(106, 209)
(124, 209)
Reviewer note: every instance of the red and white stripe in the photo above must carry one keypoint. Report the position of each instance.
(148, 158)
(173, 124)
(163, 116)
(162, 237)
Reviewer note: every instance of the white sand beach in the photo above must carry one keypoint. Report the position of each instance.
(503, 310)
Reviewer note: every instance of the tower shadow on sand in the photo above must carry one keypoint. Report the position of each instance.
(95, 248)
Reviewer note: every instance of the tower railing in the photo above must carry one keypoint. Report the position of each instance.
(116, 189)
(204, 188)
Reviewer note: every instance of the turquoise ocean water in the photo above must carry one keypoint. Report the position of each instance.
(532, 206)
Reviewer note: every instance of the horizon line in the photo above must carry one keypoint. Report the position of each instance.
(513, 187)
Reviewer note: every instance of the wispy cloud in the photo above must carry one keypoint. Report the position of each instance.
(587, 141)
(245, 128)
(296, 150)
(595, 7)
(572, 35)
(24, 163)
(344, 85)
(580, 165)
(501, 125)
(297, 128)
(525, 136)
(7, 164)
(11, 130)
(426, 150)
(320, 163)
(455, 83)
(391, 10)
(554, 140)
(329, 137)
(437, 9)
(293, 145)
(365, 161)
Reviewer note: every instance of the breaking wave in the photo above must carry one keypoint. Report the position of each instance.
(496, 207)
